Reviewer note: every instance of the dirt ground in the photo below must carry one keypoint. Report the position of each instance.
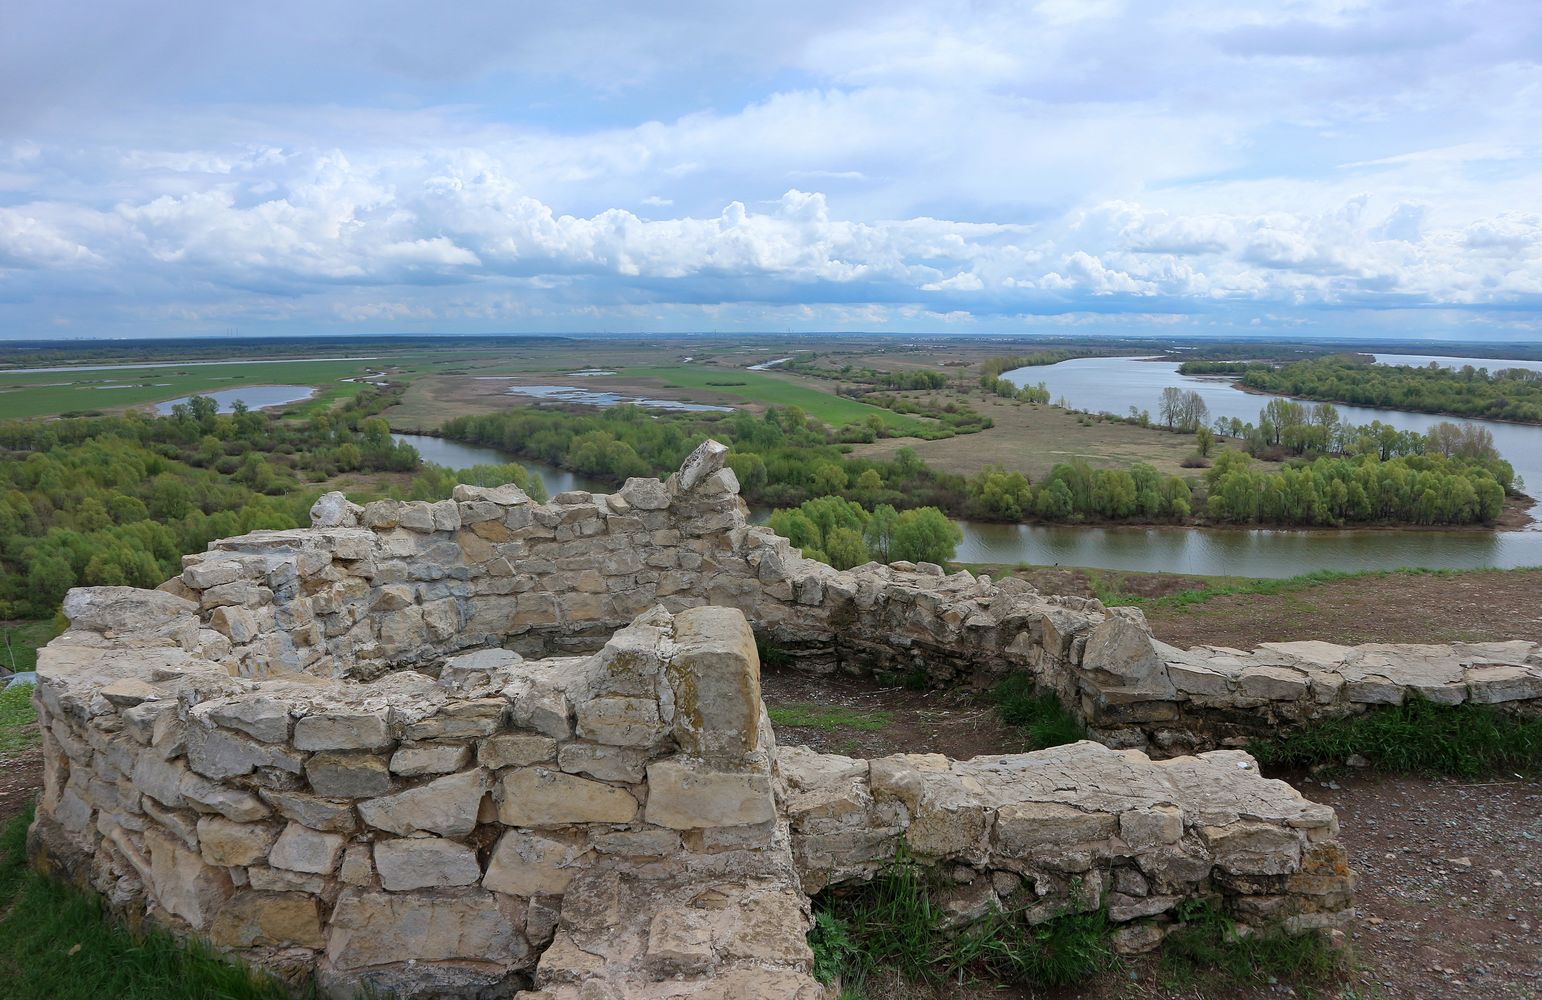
(1396, 607)
(21, 775)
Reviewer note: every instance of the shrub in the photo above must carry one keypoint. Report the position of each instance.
(1042, 719)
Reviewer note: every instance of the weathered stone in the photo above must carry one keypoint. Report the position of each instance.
(269, 919)
(231, 844)
(348, 775)
(414, 760)
(515, 750)
(301, 849)
(530, 864)
(446, 806)
(537, 796)
(425, 863)
(377, 928)
(341, 731)
(181, 883)
(684, 794)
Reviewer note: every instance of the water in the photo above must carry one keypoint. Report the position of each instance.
(256, 397)
(455, 455)
(1115, 384)
(765, 365)
(598, 397)
(168, 364)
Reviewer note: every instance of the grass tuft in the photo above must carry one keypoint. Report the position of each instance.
(1205, 943)
(893, 925)
(18, 720)
(828, 718)
(1038, 713)
(57, 943)
(1416, 737)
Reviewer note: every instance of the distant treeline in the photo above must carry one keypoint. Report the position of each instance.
(1505, 394)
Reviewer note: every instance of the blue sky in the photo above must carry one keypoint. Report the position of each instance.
(1212, 166)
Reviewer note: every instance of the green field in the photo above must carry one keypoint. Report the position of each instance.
(773, 390)
(43, 394)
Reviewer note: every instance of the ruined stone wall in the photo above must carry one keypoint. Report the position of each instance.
(369, 589)
(487, 822)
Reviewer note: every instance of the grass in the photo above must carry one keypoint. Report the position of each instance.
(1037, 713)
(1205, 945)
(57, 943)
(829, 718)
(1416, 737)
(44, 394)
(893, 924)
(18, 720)
(20, 640)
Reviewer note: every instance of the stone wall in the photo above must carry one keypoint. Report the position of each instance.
(367, 590)
(488, 823)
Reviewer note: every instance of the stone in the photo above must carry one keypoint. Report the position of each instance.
(1025, 829)
(622, 722)
(301, 849)
(715, 677)
(525, 863)
(309, 810)
(446, 806)
(413, 760)
(1121, 650)
(182, 883)
(224, 842)
(339, 775)
(701, 463)
(341, 731)
(334, 510)
(122, 610)
(269, 920)
(538, 796)
(515, 750)
(685, 794)
(380, 928)
(425, 863)
(264, 719)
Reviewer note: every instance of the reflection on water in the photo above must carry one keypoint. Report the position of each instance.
(256, 397)
(454, 455)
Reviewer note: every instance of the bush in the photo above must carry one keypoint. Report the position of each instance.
(1195, 461)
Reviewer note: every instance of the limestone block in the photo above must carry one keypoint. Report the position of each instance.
(334, 510)
(379, 928)
(1272, 683)
(231, 803)
(607, 763)
(645, 494)
(316, 813)
(218, 754)
(1492, 683)
(414, 760)
(515, 750)
(460, 720)
(715, 679)
(224, 842)
(538, 796)
(687, 794)
(446, 806)
(618, 721)
(1254, 848)
(182, 883)
(1151, 826)
(1120, 652)
(525, 863)
(342, 730)
(265, 719)
(1025, 829)
(124, 610)
(343, 775)
(425, 863)
(269, 919)
(301, 849)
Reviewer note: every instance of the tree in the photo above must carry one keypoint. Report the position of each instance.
(1170, 406)
(1204, 440)
(925, 534)
(844, 548)
(879, 532)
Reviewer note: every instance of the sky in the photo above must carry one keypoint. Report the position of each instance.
(1068, 166)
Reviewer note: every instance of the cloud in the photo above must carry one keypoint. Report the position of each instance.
(904, 164)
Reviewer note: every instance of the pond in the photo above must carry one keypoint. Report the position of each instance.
(256, 397)
(601, 398)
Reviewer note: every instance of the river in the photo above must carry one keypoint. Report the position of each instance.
(1117, 383)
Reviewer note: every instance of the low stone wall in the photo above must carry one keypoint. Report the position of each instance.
(367, 590)
(489, 823)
